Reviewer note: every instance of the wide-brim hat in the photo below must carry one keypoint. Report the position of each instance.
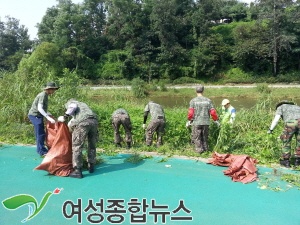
(51, 85)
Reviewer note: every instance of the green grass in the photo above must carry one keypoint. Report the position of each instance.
(248, 136)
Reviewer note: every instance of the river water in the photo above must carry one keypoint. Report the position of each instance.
(238, 103)
(179, 101)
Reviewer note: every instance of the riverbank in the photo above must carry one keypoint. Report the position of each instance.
(292, 85)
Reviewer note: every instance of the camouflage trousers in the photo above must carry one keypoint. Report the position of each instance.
(291, 128)
(124, 120)
(155, 126)
(200, 137)
(85, 129)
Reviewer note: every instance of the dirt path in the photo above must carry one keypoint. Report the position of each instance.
(206, 86)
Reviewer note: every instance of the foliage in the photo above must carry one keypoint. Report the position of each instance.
(21, 89)
(247, 136)
(123, 39)
(186, 80)
(263, 88)
(236, 75)
(134, 158)
(274, 14)
(278, 180)
(138, 88)
(14, 42)
(44, 61)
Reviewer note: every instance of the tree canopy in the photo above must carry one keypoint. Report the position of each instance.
(153, 39)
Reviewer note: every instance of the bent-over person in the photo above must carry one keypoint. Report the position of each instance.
(156, 124)
(84, 124)
(120, 117)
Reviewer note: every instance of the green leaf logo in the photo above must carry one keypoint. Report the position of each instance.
(17, 201)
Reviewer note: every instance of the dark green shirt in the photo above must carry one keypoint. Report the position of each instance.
(41, 98)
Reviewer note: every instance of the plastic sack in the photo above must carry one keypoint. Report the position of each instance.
(242, 168)
(58, 160)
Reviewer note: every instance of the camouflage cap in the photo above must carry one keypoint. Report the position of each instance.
(284, 102)
(200, 88)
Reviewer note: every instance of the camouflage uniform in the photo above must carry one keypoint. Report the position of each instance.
(201, 122)
(121, 117)
(291, 117)
(157, 123)
(84, 125)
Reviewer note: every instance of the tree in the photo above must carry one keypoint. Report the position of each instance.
(251, 49)
(210, 56)
(273, 12)
(46, 27)
(14, 42)
(44, 60)
(169, 24)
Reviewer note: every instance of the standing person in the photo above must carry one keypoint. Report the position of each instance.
(37, 113)
(157, 123)
(290, 113)
(200, 110)
(84, 124)
(121, 117)
(228, 112)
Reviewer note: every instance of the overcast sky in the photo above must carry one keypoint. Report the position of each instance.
(30, 12)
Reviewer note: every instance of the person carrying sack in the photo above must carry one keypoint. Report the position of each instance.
(84, 124)
(37, 113)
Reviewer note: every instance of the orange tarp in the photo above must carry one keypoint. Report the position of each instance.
(241, 167)
(58, 160)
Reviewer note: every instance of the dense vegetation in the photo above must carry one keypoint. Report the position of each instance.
(247, 136)
(172, 40)
(148, 44)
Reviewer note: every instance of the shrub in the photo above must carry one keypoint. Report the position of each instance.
(186, 80)
(263, 88)
(138, 88)
(236, 75)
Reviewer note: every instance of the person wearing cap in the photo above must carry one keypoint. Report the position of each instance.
(228, 112)
(36, 114)
(157, 123)
(120, 117)
(199, 113)
(290, 113)
(84, 124)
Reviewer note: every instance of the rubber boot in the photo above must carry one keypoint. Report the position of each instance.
(118, 145)
(297, 161)
(76, 173)
(128, 145)
(285, 163)
(91, 167)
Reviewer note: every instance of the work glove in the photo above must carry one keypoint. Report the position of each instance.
(218, 123)
(270, 131)
(144, 126)
(188, 124)
(70, 125)
(51, 120)
(61, 119)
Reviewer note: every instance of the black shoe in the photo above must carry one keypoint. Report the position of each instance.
(118, 145)
(91, 168)
(128, 145)
(285, 163)
(76, 173)
(297, 161)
